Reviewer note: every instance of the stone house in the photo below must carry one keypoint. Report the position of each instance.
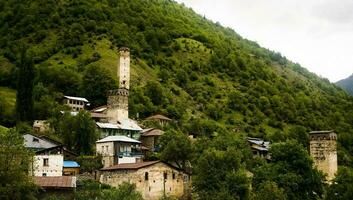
(119, 149)
(71, 168)
(76, 103)
(153, 179)
(150, 138)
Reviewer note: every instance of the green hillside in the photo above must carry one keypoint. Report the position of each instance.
(207, 77)
(7, 105)
(346, 84)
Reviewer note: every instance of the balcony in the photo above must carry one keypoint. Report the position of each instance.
(129, 154)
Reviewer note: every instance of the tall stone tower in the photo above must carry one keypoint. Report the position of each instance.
(323, 148)
(118, 107)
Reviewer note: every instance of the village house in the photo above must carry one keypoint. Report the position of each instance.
(48, 162)
(119, 149)
(259, 147)
(71, 168)
(150, 138)
(49, 155)
(76, 103)
(153, 179)
(161, 119)
(127, 127)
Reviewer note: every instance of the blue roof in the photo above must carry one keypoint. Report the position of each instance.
(71, 164)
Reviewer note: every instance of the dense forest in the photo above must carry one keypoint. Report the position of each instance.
(346, 84)
(211, 81)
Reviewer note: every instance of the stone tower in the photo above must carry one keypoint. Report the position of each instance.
(118, 107)
(323, 148)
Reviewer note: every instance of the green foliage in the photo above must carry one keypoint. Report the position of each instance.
(220, 175)
(90, 163)
(342, 186)
(92, 191)
(269, 191)
(24, 98)
(78, 132)
(96, 82)
(15, 162)
(175, 148)
(292, 170)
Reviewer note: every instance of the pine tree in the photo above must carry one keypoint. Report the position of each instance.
(24, 99)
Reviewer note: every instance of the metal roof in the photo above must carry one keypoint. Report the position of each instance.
(118, 138)
(68, 163)
(34, 142)
(77, 98)
(127, 124)
(321, 132)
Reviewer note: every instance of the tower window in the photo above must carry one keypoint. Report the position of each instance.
(165, 175)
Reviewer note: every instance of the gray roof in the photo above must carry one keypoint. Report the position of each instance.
(320, 132)
(127, 124)
(34, 142)
(76, 98)
(118, 138)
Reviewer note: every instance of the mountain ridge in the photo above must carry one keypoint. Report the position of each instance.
(346, 84)
(205, 76)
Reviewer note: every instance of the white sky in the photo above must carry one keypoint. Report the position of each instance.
(318, 34)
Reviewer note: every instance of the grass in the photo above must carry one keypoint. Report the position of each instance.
(9, 96)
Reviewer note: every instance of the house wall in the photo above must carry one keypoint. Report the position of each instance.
(106, 149)
(154, 187)
(71, 171)
(54, 168)
(74, 104)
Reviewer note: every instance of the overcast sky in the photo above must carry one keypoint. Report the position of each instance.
(318, 34)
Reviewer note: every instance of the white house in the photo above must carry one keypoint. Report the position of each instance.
(75, 103)
(48, 162)
(119, 149)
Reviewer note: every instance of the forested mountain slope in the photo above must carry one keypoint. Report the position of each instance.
(207, 77)
(346, 84)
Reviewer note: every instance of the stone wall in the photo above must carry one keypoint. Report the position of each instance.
(155, 186)
(323, 148)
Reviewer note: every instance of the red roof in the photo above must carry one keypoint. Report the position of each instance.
(55, 181)
(130, 166)
(158, 117)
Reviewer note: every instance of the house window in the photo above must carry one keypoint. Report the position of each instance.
(173, 175)
(102, 149)
(44, 174)
(46, 162)
(36, 139)
(165, 175)
(107, 149)
(146, 176)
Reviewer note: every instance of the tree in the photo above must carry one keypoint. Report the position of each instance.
(24, 98)
(221, 175)
(342, 186)
(269, 191)
(291, 168)
(15, 162)
(95, 84)
(78, 132)
(175, 148)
